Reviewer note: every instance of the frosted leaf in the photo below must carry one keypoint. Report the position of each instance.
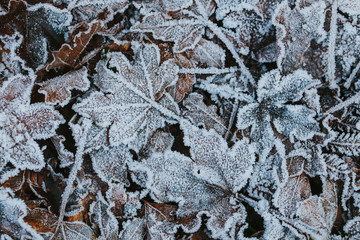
(346, 142)
(229, 168)
(160, 141)
(75, 230)
(12, 213)
(21, 123)
(351, 7)
(45, 21)
(290, 192)
(58, 90)
(111, 163)
(231, 85)
(126, 204)
(166, 5)
(185, 30)
(103, 217)
(264, 180)
(295, 29)
(293, 121)
(318, 213)
(10, 62)
(65, 156)
(352, 228)
(137, 104)
(201, 115)
(186, 33)
(88, 10)
(69, 53)
(133, 229)
(208, 54)
(296, 121)
(274, 87)
(160, 221)
(347, 49)
(172, 177)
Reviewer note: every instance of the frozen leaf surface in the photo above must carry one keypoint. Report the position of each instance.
(111, 163)
(104, 218)
(201, 115)
(137, 103)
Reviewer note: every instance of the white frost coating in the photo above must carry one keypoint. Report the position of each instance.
(111, 163)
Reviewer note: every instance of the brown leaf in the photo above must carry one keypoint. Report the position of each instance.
(294, 190)
(58, 90)
(68, 54)
(185, 81)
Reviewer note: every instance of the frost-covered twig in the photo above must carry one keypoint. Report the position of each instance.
(211, 70)
(232, 118)
(332, 45)
(352, 76)
(70, 181)
(344, 104)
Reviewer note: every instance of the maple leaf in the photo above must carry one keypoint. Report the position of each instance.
(58, 90)
(205, 182)
(22, 123)
(291, 120)
(136, 103)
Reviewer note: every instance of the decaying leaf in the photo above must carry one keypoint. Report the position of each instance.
(68, 54)
(58, 90)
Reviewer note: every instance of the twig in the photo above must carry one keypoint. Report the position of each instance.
(332, 45)
(346, 103)
(232, 118)
(211, 70)
(352, 76)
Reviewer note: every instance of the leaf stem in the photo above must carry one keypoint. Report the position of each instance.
(344, 104)
(213, 27)
(211, 70)
(352, 76)
(332, 45)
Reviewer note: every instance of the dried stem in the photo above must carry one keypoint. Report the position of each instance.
(344, 104)
(332, 45)
(352, 76)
